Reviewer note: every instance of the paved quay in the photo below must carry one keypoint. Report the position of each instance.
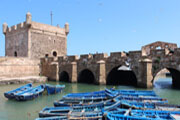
(21, 80)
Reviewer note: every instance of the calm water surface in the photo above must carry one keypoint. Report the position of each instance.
(28, 110)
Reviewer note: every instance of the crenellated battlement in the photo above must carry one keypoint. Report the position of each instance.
(118, 56)
(15, 28)
(100, 56)
(86, 56)
(68, 58)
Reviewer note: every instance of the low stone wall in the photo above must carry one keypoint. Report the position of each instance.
(19, 67)
(49, 68)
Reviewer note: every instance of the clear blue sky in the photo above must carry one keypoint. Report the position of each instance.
(101, 25)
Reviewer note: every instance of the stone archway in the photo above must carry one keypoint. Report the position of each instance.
(118, 76)
(175, 77)
(175, 74)
(86, 76)
(64, 76)
(160, 80)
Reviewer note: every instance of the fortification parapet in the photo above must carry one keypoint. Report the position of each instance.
(28, 18)
(135, 54)
(66, 27)
(100, 56)
(86, 56)
(21, 25)
(62, 58)
(72, 58)
(14, 28)
(5, 27)
(118, 54)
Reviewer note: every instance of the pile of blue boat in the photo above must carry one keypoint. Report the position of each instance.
(28, 92)
(110, 104)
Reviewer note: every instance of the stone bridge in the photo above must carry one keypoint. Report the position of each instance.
(137, 68)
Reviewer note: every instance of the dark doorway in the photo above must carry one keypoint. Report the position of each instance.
(86, 76)
(54, 53)
(64, 76)
(15, 54)
(121, 77)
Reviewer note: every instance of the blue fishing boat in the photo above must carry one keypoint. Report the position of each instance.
(128, 114)
(114, 93)
(64, 110)
(54, 111)
(111, 93)
(86, 94)
(96, 115)
(146, 105)
(141, 99)
(69, 112)
(53, 118)
(85, 99)
(136, 91)
(11, 94)
(61, 111)
(30, 94)
(64, 103)
(52, 89)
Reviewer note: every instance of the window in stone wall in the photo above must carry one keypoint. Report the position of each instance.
(15, 54)
(54, 53)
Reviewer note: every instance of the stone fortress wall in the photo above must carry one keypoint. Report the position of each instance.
(144, 66)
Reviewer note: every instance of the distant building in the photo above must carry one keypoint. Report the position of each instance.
(35, 40)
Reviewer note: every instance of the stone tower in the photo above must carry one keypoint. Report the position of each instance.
(35, 40)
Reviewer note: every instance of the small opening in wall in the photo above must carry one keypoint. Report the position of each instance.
(15, 54)
(46, 55)
(54, 53)
(158, 48)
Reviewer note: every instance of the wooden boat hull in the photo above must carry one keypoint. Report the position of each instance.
(146, 105)
(53, 118)
(70, 113)
(128, 114)
(52, 89)
(142, 99)
(31, 94)
(11, 94)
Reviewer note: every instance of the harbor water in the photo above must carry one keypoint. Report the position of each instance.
(28, 110)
